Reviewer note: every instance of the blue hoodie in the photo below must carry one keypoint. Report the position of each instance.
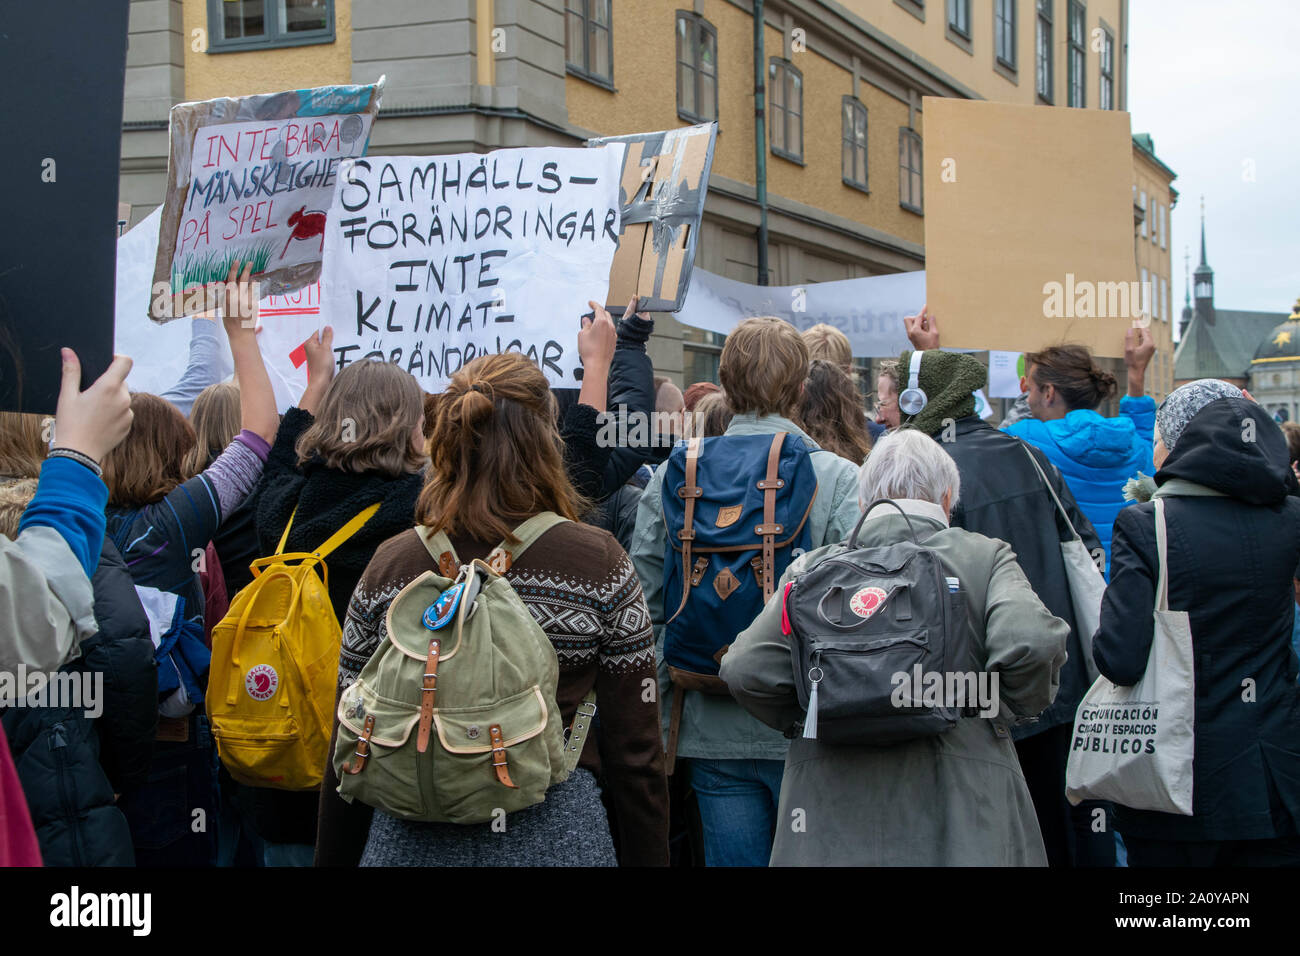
(1096, 455)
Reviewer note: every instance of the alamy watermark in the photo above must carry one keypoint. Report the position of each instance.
(71, 690)
(976, 690)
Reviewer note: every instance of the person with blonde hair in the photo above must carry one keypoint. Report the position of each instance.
(496, 461)
(735, 761)
(829, 344)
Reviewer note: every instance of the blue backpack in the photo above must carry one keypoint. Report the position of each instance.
(736, 512)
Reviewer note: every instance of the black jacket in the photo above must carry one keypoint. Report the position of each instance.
(618, 514)
(1231, 561)
(1003, 497)
(70, 764)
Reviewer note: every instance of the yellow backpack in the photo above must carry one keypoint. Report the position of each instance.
(274, 668)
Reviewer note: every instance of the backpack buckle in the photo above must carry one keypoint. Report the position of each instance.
(757, 565)
(697, 572)
(686, 534)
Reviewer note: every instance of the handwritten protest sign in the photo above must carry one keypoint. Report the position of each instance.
(431, 262)
(251, 179)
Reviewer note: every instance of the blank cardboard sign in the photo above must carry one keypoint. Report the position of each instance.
(665, 179)
(1029, 226)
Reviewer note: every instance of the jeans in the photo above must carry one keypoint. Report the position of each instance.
(288, 854)
(737, 801)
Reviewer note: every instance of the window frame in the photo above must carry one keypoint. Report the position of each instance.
(906, 133)
(999, 7)
(784, 68)
(583, 70)
(956, 6)
(1106, 75)
(1143, 229)
(856, 107)
(1044, 60)
(1076, 11)
(275, 37)
(698, 27)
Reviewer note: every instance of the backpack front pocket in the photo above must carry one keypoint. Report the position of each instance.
(481, 748)
(375, 756)
(849, 666)
(265, 752)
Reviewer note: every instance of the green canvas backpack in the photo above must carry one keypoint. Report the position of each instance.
(454, 719)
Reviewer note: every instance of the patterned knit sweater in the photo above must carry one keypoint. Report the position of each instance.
(581, 589)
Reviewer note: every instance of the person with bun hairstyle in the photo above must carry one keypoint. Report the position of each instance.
(496, 460)
(1095, 454)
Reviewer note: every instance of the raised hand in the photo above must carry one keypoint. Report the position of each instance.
(95, 421)
(922, 329)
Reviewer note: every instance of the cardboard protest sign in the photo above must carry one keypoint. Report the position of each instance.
(1029, 225)
(664, 181)
(251, 179)
(59, 166)
(433, 261)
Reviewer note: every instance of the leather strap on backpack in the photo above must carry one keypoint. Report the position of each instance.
(769, 529)
(691, 492)
(502, 557)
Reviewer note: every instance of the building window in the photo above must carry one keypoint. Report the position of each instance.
(1164, 227)
(697, 68)
(785, 88)
(1043, 51)
(589, 41)
(260, 24)
(1164, 300)
(959, 17)
(1107, 100)
(1077, 21)
(909, 170)
(1146, 292)
(1142, 203)
(854, 159)
(1004, 32)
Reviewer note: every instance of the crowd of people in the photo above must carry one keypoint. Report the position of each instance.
(127, 533)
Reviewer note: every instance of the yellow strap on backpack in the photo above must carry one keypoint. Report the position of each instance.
(337, 538)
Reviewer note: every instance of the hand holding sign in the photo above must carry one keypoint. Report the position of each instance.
(320, 368)
(596, 344)
(95, 421)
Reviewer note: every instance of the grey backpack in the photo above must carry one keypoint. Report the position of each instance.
(867, 626)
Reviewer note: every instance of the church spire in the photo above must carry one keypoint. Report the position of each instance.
(1203, 262)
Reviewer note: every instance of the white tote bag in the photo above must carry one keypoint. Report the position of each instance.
(1086, 583)
(1134, 745)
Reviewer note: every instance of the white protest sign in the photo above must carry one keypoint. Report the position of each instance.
(160, 353)
(258, 191)
(1005, 369)
(868, 310)
(431, 262)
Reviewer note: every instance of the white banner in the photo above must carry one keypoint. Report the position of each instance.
(431, 262)
(869, 310)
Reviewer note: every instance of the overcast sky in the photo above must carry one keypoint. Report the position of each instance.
(1217, 85)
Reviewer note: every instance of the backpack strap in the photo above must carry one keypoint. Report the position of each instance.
(576, 738)
(440, 549)
(691, 492)
(769, 529)
(337, 538)
(504, 555)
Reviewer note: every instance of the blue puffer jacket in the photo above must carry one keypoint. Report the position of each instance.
(1096, 455)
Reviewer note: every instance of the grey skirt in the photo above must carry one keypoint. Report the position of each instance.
(568, 828)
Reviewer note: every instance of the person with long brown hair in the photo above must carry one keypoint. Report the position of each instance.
(496, 460)
(830, 410)
(161, 521)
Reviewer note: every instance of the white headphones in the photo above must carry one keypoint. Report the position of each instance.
(913, 400)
